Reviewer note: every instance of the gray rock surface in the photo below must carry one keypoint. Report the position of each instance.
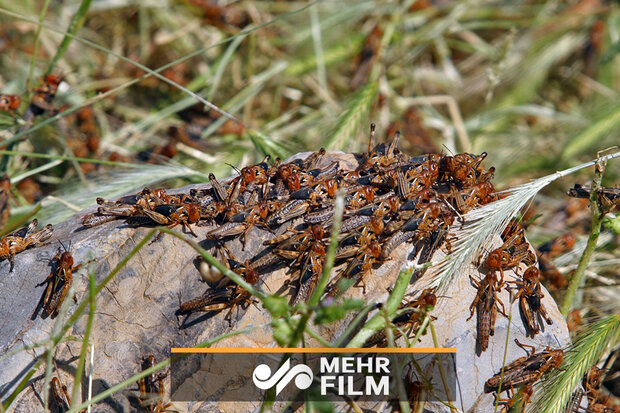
(136, 313)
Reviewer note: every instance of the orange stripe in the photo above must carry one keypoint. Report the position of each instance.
(311, 350)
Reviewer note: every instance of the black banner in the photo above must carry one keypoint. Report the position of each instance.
(224, 375)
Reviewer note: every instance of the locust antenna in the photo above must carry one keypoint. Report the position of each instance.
(371, 141)
(393, 145)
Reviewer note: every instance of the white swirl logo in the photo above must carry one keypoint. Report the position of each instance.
(263, 380)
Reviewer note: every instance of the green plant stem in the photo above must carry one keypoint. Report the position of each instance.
(353, 325)
(597, 220)
(442, 372)
(403, 400)
(315, 335)
(329, 263)
(501, 373)
(331, 251)
(35, 47)
(236, 278)
(69, 158)
(49, 358)
(423, 325)
(22, 385)
(85, 342)
(38, 344)
(56, 337)
(313, 301)
(377, 322)
(74, 26)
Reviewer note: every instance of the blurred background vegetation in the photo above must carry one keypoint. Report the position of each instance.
(535, 84)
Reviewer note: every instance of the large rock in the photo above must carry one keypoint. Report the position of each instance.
(137, 313)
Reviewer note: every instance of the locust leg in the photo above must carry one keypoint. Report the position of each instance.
(544, 315)
(92, 220)
(187, 227)
(493, 318)
(523, 346)
(472, 307)
(503, 310)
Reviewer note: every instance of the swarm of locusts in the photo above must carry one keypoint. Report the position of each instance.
(390, 199)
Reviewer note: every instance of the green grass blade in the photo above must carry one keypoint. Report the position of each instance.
(35, 171)
(534, 69)
(578, 277)
(35, 46)
(19, 218)
(223, 64)
(592, 135)
(76, 24)
(318, 48)
(337, 53)
(611, 53)
(335, 15)
(236, 278)
(377, 322)
(68, 158)
(331, 251)
(77, 379)
(555, 392)
(22, 385)
(240, 99)
(267, 145)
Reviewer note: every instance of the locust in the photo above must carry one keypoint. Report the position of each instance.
(526, 370)
(21, 239)
(152, 389)
(411, 314)
(58, 282)
(530, 301)
(218, 299)
(486, 305)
